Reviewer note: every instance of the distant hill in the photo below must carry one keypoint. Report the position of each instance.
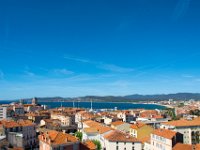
(177, 96)
(128, 98)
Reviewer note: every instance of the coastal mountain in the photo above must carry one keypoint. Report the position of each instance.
(176, 96)
(138, 97)
(128, 98)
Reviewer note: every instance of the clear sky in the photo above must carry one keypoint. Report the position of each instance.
(98, 47)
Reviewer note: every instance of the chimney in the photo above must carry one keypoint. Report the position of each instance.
(127, 136)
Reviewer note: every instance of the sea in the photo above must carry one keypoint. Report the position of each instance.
(98, 105)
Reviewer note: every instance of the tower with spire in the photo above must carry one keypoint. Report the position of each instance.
(34, 101)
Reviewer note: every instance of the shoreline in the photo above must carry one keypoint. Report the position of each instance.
(168, 106)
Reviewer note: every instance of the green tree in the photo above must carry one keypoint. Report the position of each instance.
(171, 112)
(79, 135)
(98, 144)
(195, 112)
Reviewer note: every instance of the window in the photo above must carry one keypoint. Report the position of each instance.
(153, 136)
(117, 147)
(124, 143)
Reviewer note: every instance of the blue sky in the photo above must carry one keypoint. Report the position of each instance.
(98, 47)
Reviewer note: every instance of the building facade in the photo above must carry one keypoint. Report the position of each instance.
(162, 139)
(189, 128)
(3, 112)
(53, 140)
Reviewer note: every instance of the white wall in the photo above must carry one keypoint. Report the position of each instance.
(121, 145)
(3, 112)
(160, 143)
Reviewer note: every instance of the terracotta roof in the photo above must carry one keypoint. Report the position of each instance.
(145, 139)
(103, 129)
(57, 138)
(9, 124)
(180, 146)
(157, 116)
(149, 112)
(116, 123)
(90, 130)
(91, 123)
(137, 125)
(99, 127)
(197, 147)
(25, 123)
(168, 134)
(90, 145)
(13, 124)
(27, 105)
(183, 123)
(117, 136)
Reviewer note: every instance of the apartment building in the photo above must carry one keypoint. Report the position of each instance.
(189, 128)
(66, 119)
(3, 112)
(162, 139)
(140, 130)
(53, 140)
(21, 133)
(121, 126)
(117, 140)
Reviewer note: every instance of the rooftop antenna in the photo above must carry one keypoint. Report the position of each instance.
(78, 102)
(61, 104)
(91, 105)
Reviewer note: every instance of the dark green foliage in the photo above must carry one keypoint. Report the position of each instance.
(195, 112)
(79, 135)
(98, 144)
(171, 112)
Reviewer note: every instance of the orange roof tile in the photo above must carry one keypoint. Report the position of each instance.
(137, 125)
(183, 123)
(197, 147)
(13, 124)
(91, 123)
(27, 105)
(9, 124)
(90, 130)
(57, 138)
(25, 123)
(90, 145)
(116, 123)
(99, 127)
(117, 136)
(168, 134)
(157, 116)
(145, 139)
(103, 129)
(180, 146)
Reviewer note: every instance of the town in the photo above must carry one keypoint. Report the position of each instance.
(36, 127)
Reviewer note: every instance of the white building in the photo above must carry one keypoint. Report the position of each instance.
(107, 120)
(127, 116)
(117, 140)
(189, 128)
(162, 139)
(147, 146)
(65, 120)
(3, 112)
(95, 131)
